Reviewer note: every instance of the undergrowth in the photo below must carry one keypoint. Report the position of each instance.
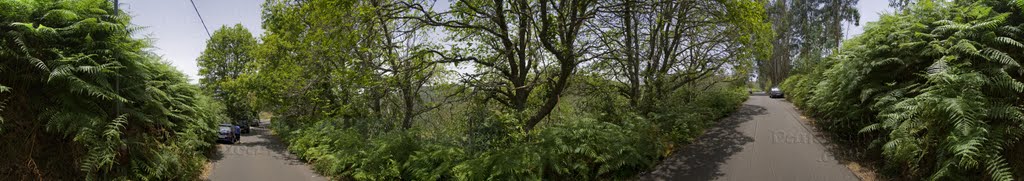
(597, 146)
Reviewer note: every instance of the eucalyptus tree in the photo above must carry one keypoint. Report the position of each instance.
(806, 31)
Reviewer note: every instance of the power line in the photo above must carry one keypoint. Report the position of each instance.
(201, 19)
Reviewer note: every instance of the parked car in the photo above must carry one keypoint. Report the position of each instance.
(255, 122)
(244, 125)
(228, 133)
(776, 93)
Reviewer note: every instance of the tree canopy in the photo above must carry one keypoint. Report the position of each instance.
(805, 31)
(499, 89)
(227, 53)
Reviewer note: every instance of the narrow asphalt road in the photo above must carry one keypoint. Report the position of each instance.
(258, 156)
(764, 140)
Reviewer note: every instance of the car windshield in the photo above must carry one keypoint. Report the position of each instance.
(225, 129)
(775, 89)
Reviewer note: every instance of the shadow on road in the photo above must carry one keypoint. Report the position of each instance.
(258, 143)
(701, 160)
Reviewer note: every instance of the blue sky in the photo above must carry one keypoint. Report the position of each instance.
(179, 36)
(177, 32)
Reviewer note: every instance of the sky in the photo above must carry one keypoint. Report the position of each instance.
(869, 12)
(179, 36)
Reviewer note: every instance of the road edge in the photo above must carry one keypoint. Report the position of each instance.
(854, 166)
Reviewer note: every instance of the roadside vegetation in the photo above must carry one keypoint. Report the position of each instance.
(81, 99)
(934, 89)
(510, 89)
(564, 90)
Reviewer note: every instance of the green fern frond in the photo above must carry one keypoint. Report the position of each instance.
(1010, 31)
(60, 72)
(966, 151)
(998, 56)
(82, 87)
(998, 169)
(944, 22)
(871, 128)
(987, 25)
(945, 170)
(946, 29)
(938, 46)
(61, 15)
(25, 26)
(965, 47)
(113, 130)
(38, 63)
(1009, 41)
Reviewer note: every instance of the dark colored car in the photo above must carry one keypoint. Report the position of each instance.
(228, 133)
(255, 122)
(244, 125)
(776, 93)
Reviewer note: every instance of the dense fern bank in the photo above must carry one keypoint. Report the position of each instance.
(935, 90)
(81, 99)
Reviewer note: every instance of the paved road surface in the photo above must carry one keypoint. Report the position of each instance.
(762, 141)
(259, 156)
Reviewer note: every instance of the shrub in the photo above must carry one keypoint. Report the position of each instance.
(83, 100)
(575, 147)
(936, 90)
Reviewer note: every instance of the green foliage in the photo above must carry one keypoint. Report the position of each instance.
(702, 108)
(228, 52)
(805, 31)
(360, 98)
(579, 149)
(82, 100)
(574, 147)
(935, 89)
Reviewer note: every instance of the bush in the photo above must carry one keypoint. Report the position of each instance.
(83, 100)
(686, 114)
(935, 89)
(574, 147)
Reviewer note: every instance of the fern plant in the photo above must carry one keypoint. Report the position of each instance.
(84, 100)
(936, 87)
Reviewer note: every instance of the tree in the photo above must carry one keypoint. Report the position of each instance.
(658, 47)
(227, 53)
(899, 4)
(368, 64)
(311, 64)
(806, 31)
(505, 35)
(405, 60)
(359, 84)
